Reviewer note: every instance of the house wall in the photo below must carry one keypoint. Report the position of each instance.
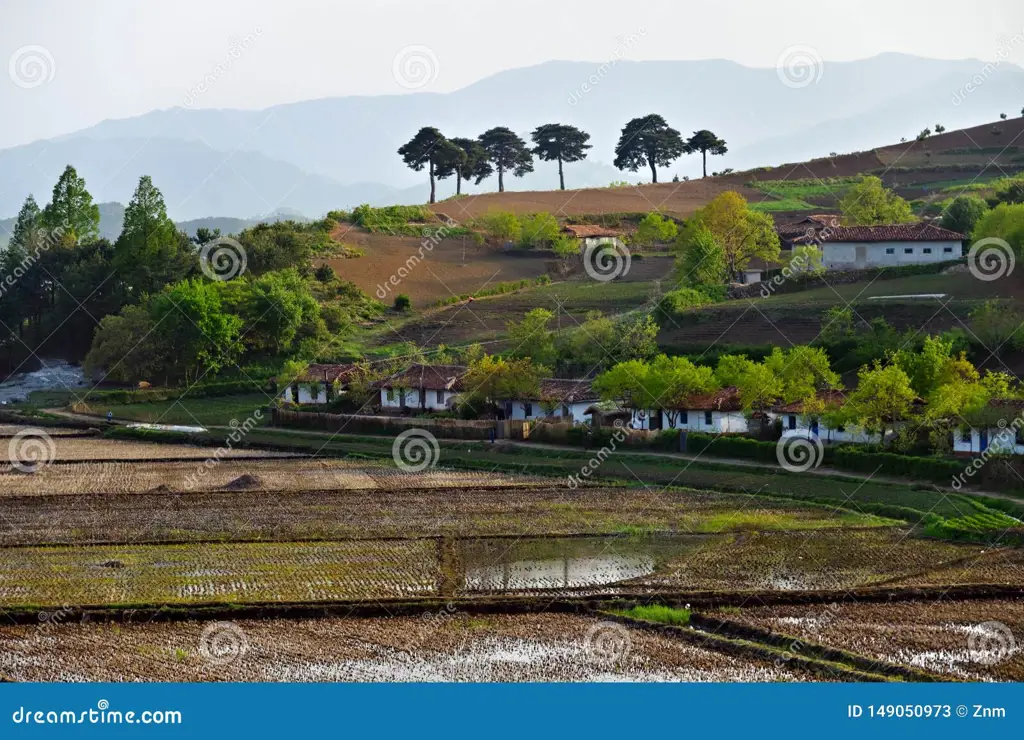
(594, 241)
(576, 411)
(751, 276)
(412, 399)
(722, 422)
(843, 255)
(825, 432)
(305, 397)
(999, 441)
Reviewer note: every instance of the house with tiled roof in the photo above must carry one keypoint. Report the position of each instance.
(564, 399)
(887, 245)
(591, 235)
(1004, 435)
(423, 387)
(720, 412)
(796, 421)
(315, 383)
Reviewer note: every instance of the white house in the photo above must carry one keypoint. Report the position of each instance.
(568, 399)
(423, 387)
(594, 236)
(315, 385)
(797, 423)
(1006, 437)
(863, 247)
(720, 412)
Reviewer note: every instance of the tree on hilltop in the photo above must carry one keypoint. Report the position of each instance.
(557, 142)
(71, 212)
(469, 163)
(507, 152)
(429, 148)
(648, 141)
(705, 142)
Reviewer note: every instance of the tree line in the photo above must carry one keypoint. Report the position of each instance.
(647, 141)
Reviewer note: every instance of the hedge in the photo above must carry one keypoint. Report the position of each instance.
(202, 390)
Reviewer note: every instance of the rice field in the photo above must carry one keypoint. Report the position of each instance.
(967, 640)
(62, 448)
(441, 646)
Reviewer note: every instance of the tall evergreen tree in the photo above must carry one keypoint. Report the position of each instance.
(705, 142)
(647, 141)
(71, 212)
(507, 152)
(151, 252)
(429, 148)
(557, 142)
(470, 163)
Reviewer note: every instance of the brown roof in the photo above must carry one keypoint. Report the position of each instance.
(588, 231)
(1007, 403)
(428, 377)
(829, 398)
(327, 373)
(726, 399)
(567, 391)
(807, 225)
(919, 232)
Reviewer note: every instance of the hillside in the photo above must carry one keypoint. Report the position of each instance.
(337, 152)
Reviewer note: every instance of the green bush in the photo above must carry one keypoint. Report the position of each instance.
(402, 302)
(676, 302)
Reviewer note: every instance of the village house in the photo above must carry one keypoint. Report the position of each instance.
(1003, 437)
(423, 387)
(796, 422)
(564, 399)
(720, 412)
(890, 245)
(594, 236)
(317, 383)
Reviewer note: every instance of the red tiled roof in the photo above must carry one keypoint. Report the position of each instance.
(567, 391)
(587, 231)
(919, 232)
(327, 373)
(726, 399)
(428, 377)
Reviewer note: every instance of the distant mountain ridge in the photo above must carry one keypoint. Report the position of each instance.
(317, 155)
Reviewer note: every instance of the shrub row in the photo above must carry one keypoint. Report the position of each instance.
(202, 390)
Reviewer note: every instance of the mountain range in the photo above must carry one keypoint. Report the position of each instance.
(318, 155)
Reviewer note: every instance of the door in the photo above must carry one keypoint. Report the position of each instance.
(983, 443)
(861, 255)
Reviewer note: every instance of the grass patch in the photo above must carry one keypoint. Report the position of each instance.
(659, 613)
(191, 411)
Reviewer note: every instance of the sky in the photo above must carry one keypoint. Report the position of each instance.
(73, 63)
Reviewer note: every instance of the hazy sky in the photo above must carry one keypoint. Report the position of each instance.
(72, 63)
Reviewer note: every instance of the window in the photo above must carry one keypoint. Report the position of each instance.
(440, 397)
(947, 250)
(566, 411)
(391, 394)
(908, 250)
(927, 250)
(841, 428)
(965, 435)
(527, 409)
(792, 421)
(683, 418)
(890, 250)
(707, 417)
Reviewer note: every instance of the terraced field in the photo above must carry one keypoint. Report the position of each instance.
(442, 646)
